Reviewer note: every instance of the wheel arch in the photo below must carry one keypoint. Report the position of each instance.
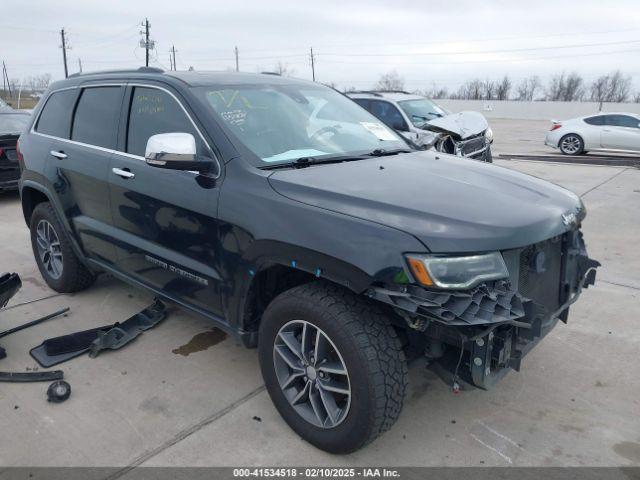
(32, 194)
(274, 267)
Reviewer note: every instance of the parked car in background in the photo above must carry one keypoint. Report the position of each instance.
(12, 123)
(427, 124)
(605, 131)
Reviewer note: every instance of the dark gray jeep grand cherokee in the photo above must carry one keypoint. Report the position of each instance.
(295, 220)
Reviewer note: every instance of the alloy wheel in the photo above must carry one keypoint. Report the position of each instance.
(49, 250)
(570, 144)
(312, 374)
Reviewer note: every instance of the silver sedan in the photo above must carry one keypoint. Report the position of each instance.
(605, 131)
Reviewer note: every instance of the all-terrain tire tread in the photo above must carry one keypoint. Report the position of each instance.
(371, 328)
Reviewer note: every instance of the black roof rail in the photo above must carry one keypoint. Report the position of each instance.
(370, 92)
(271, 73)
(125, 70)
(393, 91)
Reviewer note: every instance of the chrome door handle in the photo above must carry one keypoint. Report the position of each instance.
(123, 173)
(606, 130)
(60, 155)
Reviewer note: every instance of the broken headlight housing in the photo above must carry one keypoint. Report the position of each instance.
(488, 134)
(457, 272)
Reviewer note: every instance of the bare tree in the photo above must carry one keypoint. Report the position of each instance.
(527, 88)
(471, 90)
(565, 88)
(284, 70)
(503, 88)
(614, 87)
(488, 89)
(636, 99)
(390, 81)
(436, 92)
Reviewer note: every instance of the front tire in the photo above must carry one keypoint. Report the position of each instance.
(333, 366)
(57, 262)
(571, 144)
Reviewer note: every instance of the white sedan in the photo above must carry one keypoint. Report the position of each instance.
(605, 131)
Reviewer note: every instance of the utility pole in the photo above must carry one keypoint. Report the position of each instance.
(64, 52)
(5, 75)
(237, 62)
(79, 65)
(313, 65)
(170, 62)
(173, 55)
(146, 43)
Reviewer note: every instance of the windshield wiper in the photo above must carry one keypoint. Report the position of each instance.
(304, 162)
(381, 152)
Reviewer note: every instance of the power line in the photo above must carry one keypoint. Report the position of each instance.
(480, 52)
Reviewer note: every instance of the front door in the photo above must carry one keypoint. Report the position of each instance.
(621, 132)
(165, 220)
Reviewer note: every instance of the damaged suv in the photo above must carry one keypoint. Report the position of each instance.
(428, 125)
(340, 253)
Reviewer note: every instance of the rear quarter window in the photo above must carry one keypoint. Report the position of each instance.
(55, 118)
(598, 120)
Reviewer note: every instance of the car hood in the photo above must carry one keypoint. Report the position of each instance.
(463, 124)
(449, 204)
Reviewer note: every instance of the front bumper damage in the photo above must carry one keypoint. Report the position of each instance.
(479, 334)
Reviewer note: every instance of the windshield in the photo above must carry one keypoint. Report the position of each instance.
(13, 123)
(282, 123)
(422, 110)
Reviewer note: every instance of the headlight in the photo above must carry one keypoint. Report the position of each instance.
(488, 134)
(457, 272)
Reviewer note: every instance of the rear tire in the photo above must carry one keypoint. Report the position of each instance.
(360, 336)
(571, 144)
(57, 262)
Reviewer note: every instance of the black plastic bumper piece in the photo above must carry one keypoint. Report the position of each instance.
(10, 283)
(25, 377)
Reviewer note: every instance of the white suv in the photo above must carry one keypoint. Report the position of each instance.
(427, 124)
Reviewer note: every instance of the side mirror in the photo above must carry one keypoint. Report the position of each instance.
(175, 151)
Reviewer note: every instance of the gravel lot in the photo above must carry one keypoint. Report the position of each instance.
(185, 395)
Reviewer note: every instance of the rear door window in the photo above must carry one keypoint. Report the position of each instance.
(96, 118)
(389, 114)
(152, 112)
(55, 118)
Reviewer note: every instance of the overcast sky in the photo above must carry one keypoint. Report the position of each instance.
(425, 41)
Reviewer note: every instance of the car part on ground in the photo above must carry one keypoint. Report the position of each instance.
(35, 322)
(424, 123)
(610, 131)
(58, 391)
(25, 377)
(10, 283)
(122, 333)
(57, 350)
(222, 236)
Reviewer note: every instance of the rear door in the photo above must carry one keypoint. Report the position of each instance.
(79, 166)
(165, 219)
(621, 132)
